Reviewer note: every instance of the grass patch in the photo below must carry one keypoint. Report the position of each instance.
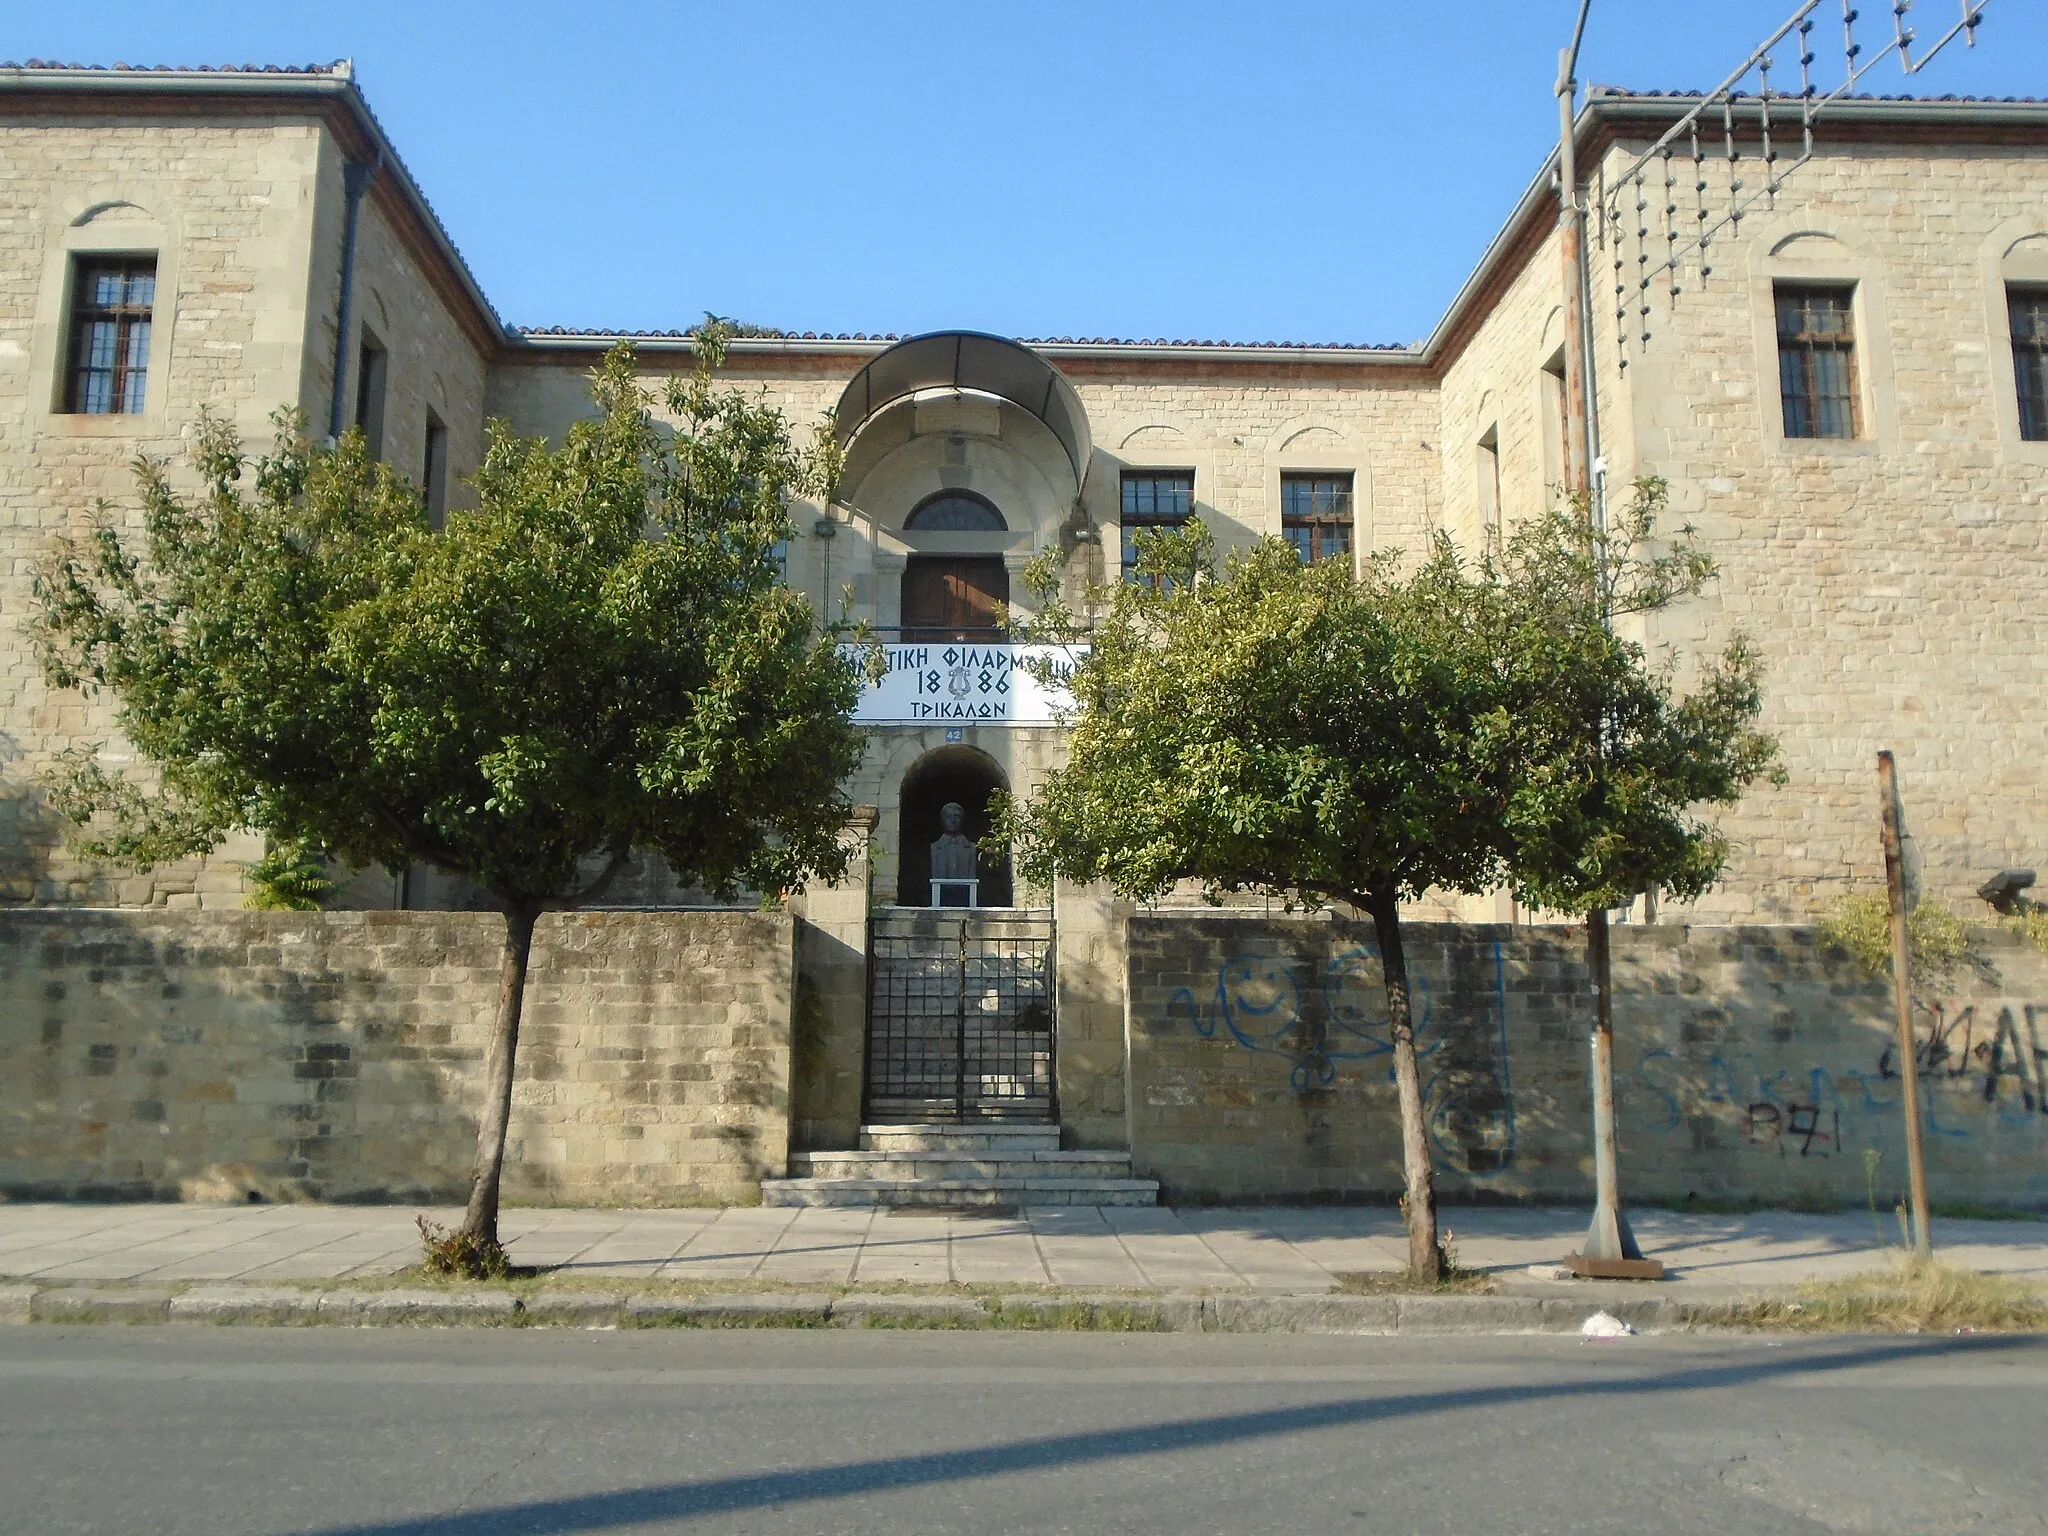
(1918, 1296)
(1398, 1282)
(1079, 1317)
(1973, 1210)
(1810, 1202)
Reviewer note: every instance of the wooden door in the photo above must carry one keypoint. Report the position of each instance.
(947, 597)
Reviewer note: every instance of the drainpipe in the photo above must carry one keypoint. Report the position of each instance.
(356, 177)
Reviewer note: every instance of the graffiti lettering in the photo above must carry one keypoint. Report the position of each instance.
(1258, 1004)
(1767, 1124)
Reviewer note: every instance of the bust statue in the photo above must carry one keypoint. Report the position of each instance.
(953, 853)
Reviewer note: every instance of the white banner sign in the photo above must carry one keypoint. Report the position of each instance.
(949, 682)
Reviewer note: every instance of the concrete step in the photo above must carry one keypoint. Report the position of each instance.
(900, 1192)
(909, 1163)
(987, 1139)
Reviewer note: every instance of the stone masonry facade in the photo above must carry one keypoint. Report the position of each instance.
(1752, 1063)
(1893, 581)
(284, 1056)
(155, 1040)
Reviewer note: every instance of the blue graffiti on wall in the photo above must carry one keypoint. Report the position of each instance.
(1809, 1111)
(1258, 1004)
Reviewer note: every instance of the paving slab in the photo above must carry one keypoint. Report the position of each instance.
(1273, 1250)
(821, 1246)
(730, 1247)
(907, 1249)
(995, 1251)
(1078, 1248)
(1172, 1257)
(1263, 1259)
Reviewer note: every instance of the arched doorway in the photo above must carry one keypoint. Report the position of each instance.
(952, 775)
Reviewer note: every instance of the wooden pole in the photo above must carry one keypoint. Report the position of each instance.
(1902, 1001)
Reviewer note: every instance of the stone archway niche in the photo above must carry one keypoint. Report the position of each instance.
(959, 774)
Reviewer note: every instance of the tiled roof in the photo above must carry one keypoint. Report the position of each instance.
(600, 333)
(337, 67)
(1617, 92)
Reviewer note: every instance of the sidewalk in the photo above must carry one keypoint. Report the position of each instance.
(1261, 1251)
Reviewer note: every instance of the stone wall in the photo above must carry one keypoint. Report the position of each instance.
(226, 207)
(1751, 1062)
(1892, 582)
(219, 1055)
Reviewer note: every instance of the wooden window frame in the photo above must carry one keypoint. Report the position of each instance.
(1313, 529)
(128, 391)
(1133, 518)
(1803, 406)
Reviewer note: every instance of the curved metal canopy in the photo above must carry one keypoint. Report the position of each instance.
(972, 360)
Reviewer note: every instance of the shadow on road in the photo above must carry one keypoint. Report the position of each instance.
(730, 1495)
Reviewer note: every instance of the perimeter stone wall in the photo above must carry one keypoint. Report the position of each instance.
(281, 1056)
(1751, 1063)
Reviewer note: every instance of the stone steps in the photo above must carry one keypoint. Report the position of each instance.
(917, 1164)
(959, 1192)
(959, 1165)
(989, 1139)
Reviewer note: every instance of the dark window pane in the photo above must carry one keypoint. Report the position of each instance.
(2029, 309)
(1817, 361)
(1315, 515)
(109, 335)
(955, 512)
(1153, 499)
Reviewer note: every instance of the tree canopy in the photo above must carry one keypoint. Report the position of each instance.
(1366, 736)
(1284, 727)
(599, 657)
(1606, 765)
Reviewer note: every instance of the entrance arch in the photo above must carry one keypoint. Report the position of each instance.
(958, 775)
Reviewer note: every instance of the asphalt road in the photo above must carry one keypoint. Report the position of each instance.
(374, 1432)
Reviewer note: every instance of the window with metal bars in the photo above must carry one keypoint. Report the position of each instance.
(2029, 310)
(112, 301)
(1817, 360)
(1315, 515)
(1153, 499)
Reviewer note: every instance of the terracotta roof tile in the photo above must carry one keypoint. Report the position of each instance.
(181, 69)
(603, 333)
(1623, 93)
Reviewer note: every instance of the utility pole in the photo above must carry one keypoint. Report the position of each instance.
(1610, 1249)
(1902, 1000)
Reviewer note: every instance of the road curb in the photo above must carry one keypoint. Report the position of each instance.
(1416, 1315)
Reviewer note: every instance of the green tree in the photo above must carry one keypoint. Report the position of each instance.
(1604, 763)
(599, 658)
(1281, 727)
(290, 877)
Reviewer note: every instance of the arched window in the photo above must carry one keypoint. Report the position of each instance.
(956, 512)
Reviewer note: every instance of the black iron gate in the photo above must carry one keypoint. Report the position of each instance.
(960, 1015)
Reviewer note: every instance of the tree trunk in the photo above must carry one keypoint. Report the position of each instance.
(482, 1218)
(1609, 1236)
(1425, 1259)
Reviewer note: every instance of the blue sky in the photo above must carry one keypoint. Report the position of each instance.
(1268, 170)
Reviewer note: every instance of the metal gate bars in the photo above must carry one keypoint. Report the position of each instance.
(960, 1016)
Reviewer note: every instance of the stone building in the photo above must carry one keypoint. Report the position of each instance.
(1852, 410)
